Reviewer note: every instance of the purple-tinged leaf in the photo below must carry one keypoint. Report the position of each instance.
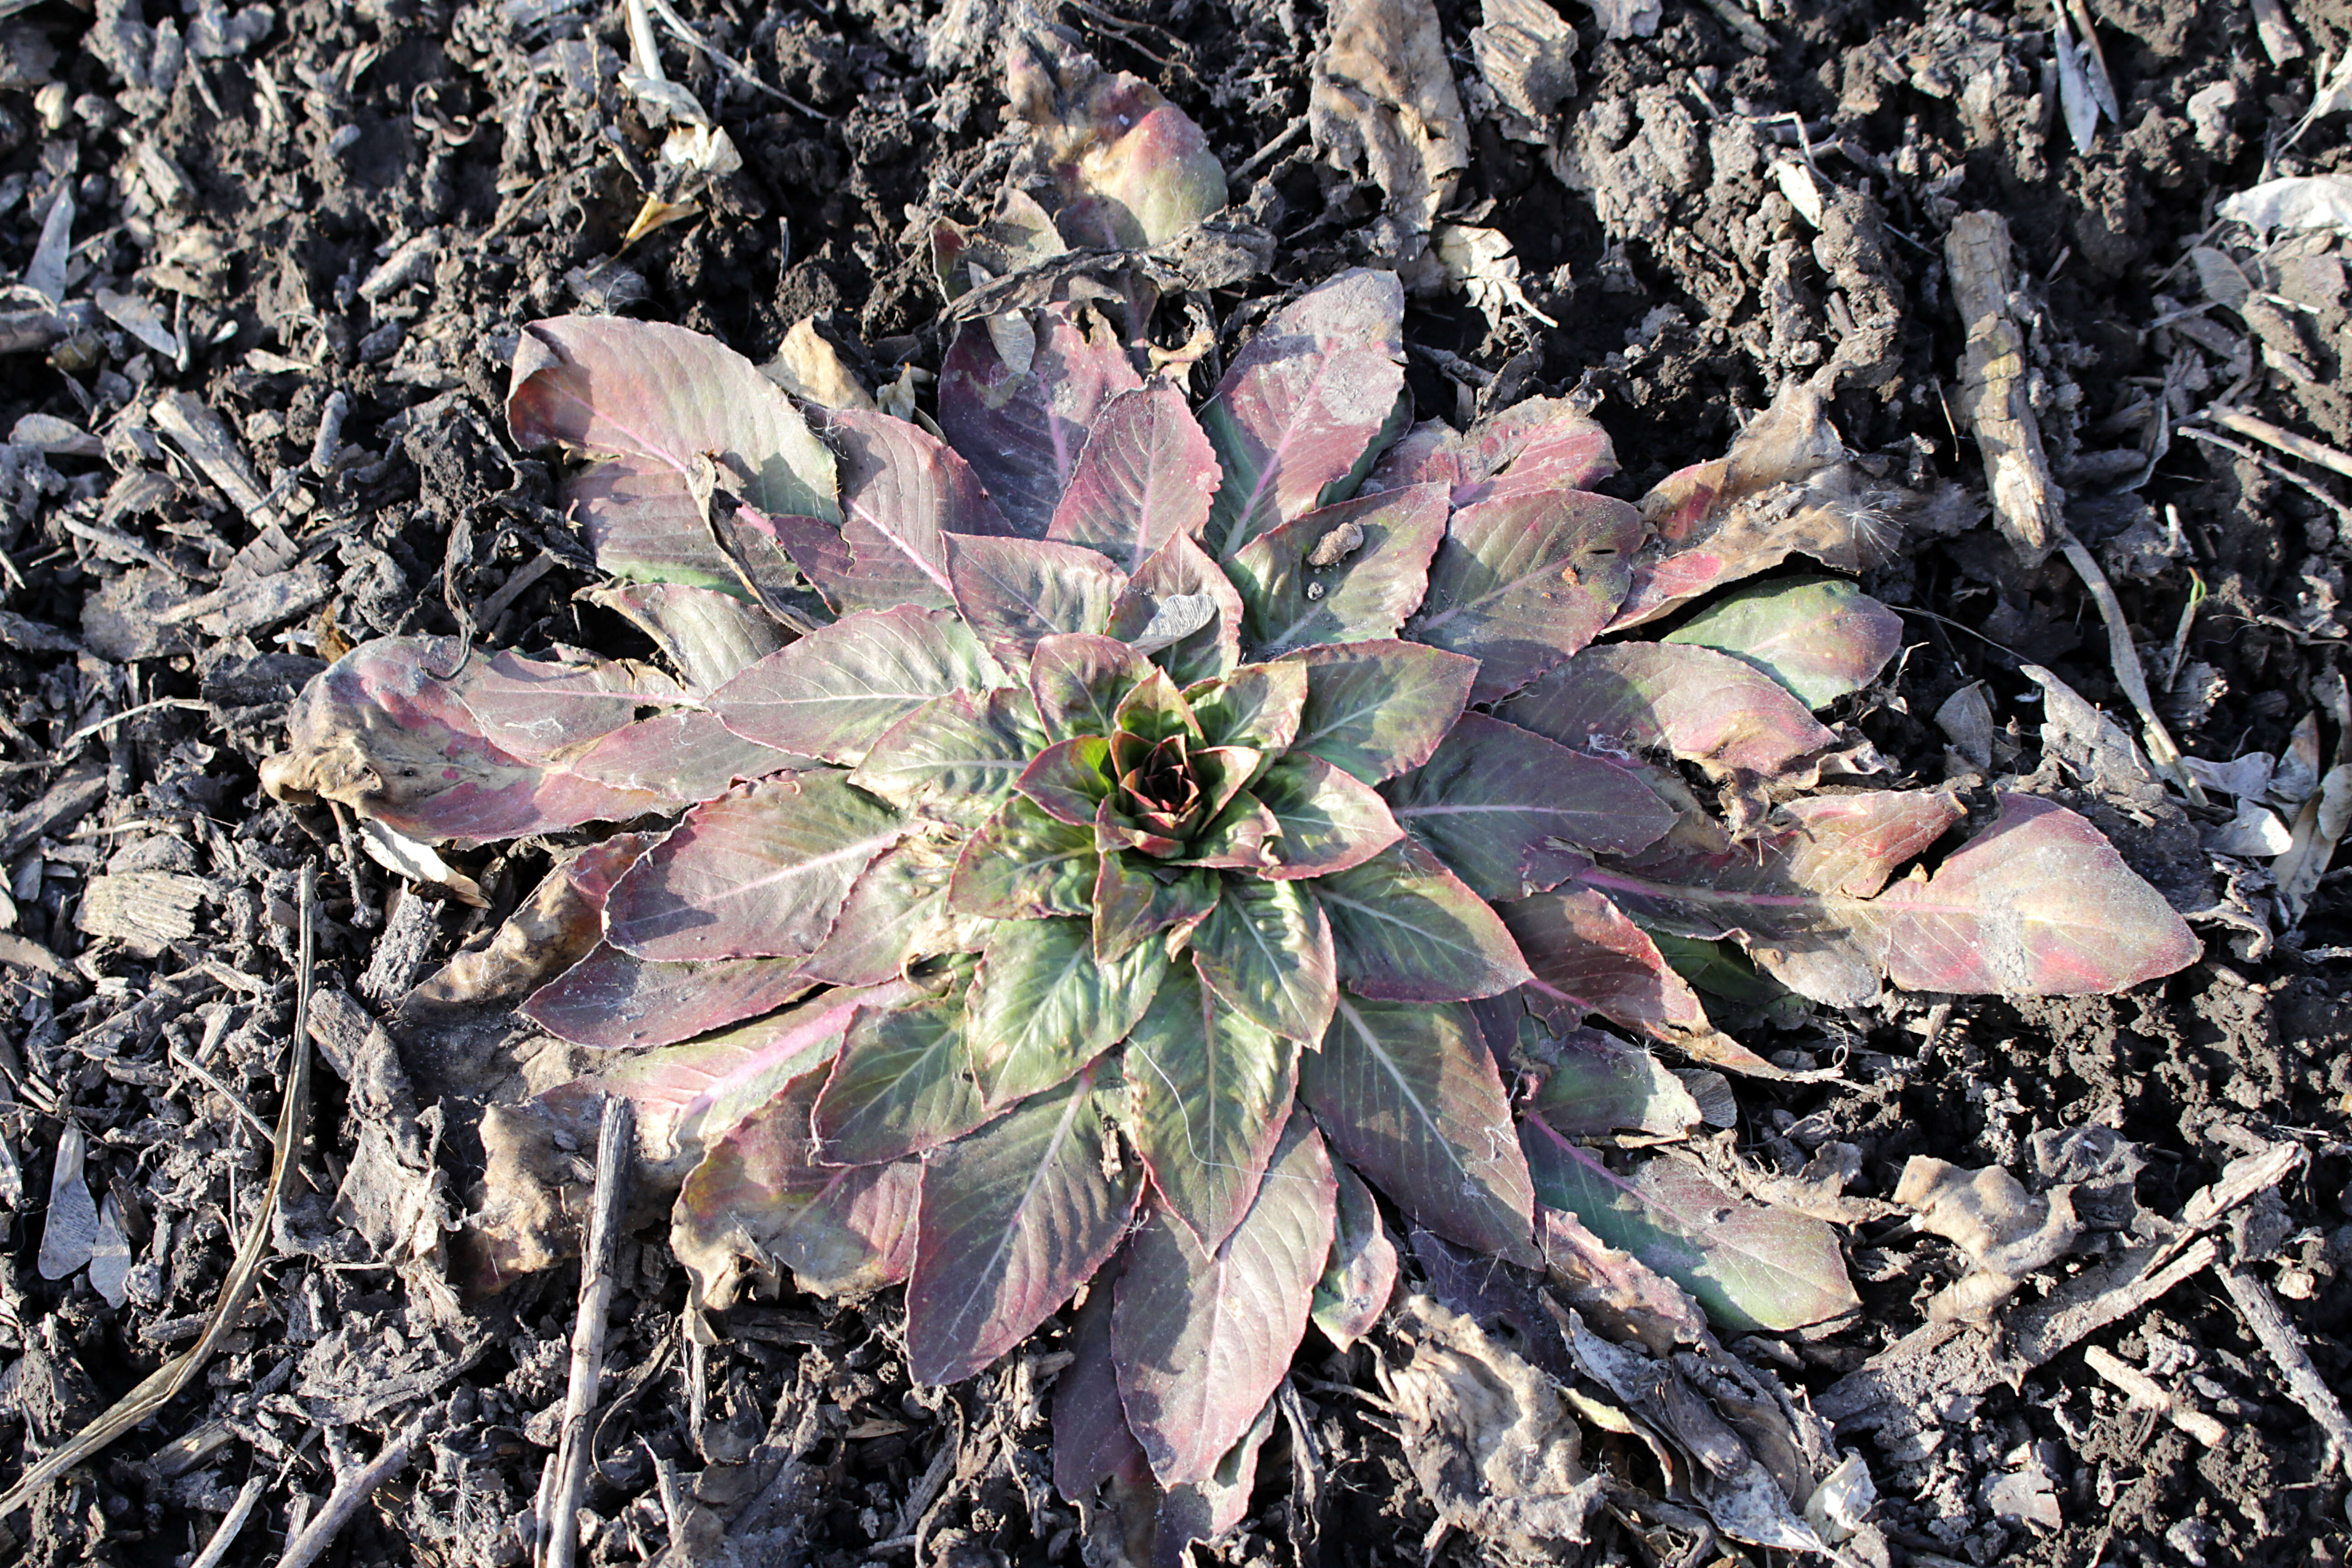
(551, 929)
(382, 734)
(1078, 679)
(687, 1095)
(1240, 837)
(1155, 709)
(1340, 574)
(1598, 1086)
(1376, 709)
(612, 999)
(647, 403)
(1208, 1508)
(1210, 1093)
(1407, 930)
(1361, 1273)
(902, 490)
(761, 1204)
(1818, 637)
(1175, 589)
(710, 636)
(1589, 958)
(1024, 865)
(1329, 819)
(1043, 1006)
(1146, 475)
(1022, 427)
(1753, 1270)
(1091, 1442)
(1786, 488)
(687, 754)
(1114, 830)
(1019, 235)
(1265, 950)
(1410, 1097)
(2037, 904)
(1015, 592)
(1015, 1219)
(895, 914)
(956, 757)
(1256, 706)
(1124, 168)
(534, 708)
(1544, 444)
(1625, 1298)
(1302, 401)
(1070, 780)
(1501, 804)
(756, 875)
(901, 1084)
(815, 549)
(833, 692)
(1706, 707)
(1524, 580)
(1136, 897)
(1202, 1337)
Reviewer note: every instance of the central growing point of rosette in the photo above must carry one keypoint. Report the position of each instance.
(1171, 786)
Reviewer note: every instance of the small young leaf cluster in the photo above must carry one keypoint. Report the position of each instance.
(1162, 823)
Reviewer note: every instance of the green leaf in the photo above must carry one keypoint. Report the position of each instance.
(1015, 1219)
(1818, 637)
(1240, 838)
(1266, 950)
(1598, 1086)
(901, 1084)
(1256, 706)
(1755, 1270)
(1043, 1006)
(1408, 930)
(956, 757)
(1070, 778)
(1135, 896)
(1507, 809)
(1329, 820)
(1210, 1091)
(1022, 864)
(1351, 570)
(1155, 709)
(834, 692)
(1522, 581)
(1375, 709)
(1078, 679)
(1362, 1272)
(1408, 1095)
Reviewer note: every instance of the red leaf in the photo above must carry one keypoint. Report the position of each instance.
(1338, 574)
(1181, 578)
(1202, 1338)
(1544, 444)
(1146, 475)
(756, 875)
(1022, 428)
(1015, 1219)
(1408, 1095)
(1091, 1442)
(893, 916)
(1589, 958)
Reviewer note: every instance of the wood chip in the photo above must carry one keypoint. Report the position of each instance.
(1994, 398)
(144, 911)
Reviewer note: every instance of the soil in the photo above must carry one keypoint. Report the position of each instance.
(486, 148)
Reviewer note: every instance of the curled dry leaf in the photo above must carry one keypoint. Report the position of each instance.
(1382, 100)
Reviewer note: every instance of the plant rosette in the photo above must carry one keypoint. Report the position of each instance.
(1108, 844)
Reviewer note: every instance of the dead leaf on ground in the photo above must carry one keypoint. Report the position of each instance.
(1383, 101)
(2006, 1231)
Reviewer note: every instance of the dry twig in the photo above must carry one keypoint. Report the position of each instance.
(352, 1490)
(615, 1136)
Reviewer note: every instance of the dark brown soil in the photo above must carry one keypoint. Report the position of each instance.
(300, 150)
